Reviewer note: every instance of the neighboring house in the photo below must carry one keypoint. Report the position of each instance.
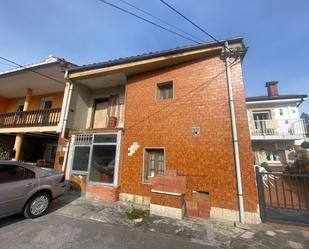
(275, 127)
(31, 114)
(162, 113)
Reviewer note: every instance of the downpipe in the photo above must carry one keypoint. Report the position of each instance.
(67, 106)
(65, 120)
(234, 134)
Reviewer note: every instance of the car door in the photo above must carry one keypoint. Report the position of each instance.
(15, 184)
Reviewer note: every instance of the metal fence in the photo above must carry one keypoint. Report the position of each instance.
(283, 197)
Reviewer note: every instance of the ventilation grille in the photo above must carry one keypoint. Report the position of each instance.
(83, 139)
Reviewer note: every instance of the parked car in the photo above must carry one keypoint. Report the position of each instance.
(28, 189)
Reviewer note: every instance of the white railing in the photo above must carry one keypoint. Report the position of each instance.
(272, 127)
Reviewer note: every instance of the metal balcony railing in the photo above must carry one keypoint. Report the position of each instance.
(284, 127)
(46, 117)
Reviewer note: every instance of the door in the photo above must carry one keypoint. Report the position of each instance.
(44, 116)
(15, 184)
(46, 104)
(100, 113)
(260, 121)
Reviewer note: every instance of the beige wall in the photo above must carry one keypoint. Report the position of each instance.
(286, 147)
(82, 105)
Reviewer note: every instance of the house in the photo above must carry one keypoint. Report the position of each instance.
(161, 117)
(275, 127)
(31, 113)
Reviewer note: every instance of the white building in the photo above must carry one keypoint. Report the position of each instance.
(275, 126)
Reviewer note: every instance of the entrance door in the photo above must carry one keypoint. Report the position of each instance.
(46, 104)
(100, 113)
(260, 121)
(44, 116)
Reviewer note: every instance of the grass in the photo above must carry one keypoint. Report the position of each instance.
(137, 214)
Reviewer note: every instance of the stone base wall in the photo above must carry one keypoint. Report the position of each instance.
(233, 215)
(135, 199)
(171, 212)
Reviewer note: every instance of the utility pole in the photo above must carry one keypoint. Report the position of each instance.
(234, 133)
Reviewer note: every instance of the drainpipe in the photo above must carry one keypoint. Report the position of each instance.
(67, 106)
(65, 120)
(234, 134)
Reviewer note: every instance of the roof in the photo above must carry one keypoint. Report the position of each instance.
(151, 55)
(279, 97)
(50, 60)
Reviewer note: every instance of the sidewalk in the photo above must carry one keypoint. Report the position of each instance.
(220, 234)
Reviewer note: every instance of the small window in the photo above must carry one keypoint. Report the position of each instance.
(12, 173)
(165, 90)
(81, 158)
(110, 138)
(281, 112)
(154, 163)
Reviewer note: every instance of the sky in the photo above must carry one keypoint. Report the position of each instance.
(87, 31)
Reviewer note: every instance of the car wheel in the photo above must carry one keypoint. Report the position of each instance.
(37, 205)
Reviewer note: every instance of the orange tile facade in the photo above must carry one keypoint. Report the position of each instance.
(200, 100)
(102, 193)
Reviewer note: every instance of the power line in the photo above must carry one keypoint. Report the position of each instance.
(194, 24)
(30, 69)
(10, 65)
(160, 19)
(148, 21)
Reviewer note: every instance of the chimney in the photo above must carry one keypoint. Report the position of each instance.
(272, 88)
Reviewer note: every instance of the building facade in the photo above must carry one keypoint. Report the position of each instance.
(275, 127)
(31, 113)
(163, 116)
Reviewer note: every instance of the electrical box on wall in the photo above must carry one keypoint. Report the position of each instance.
(196, 131)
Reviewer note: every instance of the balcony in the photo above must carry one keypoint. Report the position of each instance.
(278, 129)
(36, 118)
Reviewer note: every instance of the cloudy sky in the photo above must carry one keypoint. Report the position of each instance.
(87, 31)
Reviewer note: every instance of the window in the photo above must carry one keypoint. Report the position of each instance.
(165, 90)
(46, 104)
(81, 158)
(96, 154)
(281, 112)
(112, 138)
(102, 163)
(20, 107)
(12, 173)
(154, 163)
(274, 155)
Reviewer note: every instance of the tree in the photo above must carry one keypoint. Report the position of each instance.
(305, 117)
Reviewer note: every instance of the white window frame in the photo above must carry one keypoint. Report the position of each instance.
(117, 159)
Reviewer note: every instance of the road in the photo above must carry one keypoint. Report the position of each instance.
(55, 231)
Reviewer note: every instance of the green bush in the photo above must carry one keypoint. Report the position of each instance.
(137, 214)
(305, 145)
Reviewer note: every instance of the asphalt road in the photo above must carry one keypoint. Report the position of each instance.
(55, 231)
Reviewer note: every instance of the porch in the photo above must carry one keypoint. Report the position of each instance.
(34, 118)
(38, 148)
(273, 129)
